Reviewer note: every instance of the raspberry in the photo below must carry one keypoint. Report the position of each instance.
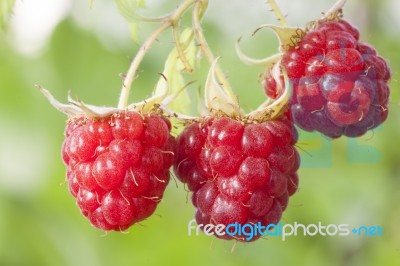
(118, 166)
(238, 172)
(340, 84)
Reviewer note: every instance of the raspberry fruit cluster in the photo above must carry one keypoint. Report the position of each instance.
(340, 84)
(238, 172)
(118, 166)
(240, 167)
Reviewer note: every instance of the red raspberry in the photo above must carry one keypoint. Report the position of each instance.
(238, 172)
(118, 166)
(340, 84)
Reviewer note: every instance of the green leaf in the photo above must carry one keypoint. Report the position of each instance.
(128, 9)
(6, 7)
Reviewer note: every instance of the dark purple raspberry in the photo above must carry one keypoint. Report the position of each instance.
(238, 172)
(340, 84)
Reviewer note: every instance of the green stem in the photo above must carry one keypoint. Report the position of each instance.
(131, 75)
(278, 13)
(199, 9)
(169, 21)
(180, 49)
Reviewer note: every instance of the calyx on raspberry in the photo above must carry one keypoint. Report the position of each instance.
(117, 160)
(340, 84)
(239, 167)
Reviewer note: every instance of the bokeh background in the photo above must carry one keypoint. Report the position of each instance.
(66, 45)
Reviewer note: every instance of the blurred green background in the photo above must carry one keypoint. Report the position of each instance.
(344, 181)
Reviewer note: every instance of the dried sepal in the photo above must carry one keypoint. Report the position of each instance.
(68, 109)
(335, 9)
(216, 98)
(78, 108)
(287, 36)
(270, 110)
(267, 61)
